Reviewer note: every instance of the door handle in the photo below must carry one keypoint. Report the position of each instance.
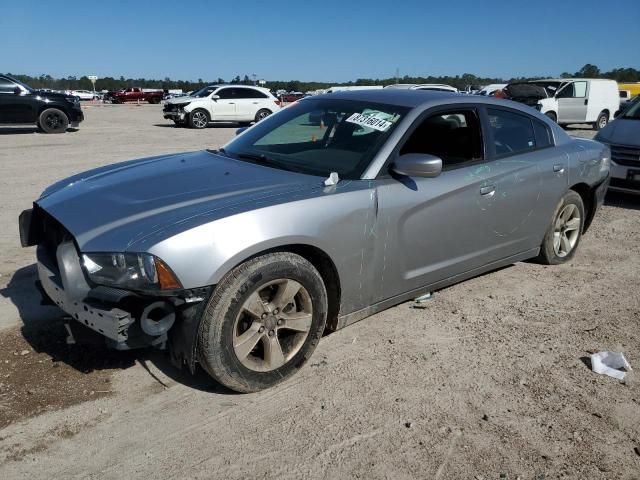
(558, 168)
(255, 103)
(487, 191)
(586, 101)
(232, 103)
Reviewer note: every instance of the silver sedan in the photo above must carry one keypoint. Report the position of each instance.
(331, 210)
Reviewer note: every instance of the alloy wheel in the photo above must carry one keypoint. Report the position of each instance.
(200, 119)
(566, 230)
(272, 325)
(53, 120)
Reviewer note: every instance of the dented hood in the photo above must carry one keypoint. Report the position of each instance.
(111, 208)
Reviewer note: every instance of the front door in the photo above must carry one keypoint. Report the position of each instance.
(224, 108)
(572, 102)
(14, 108)
(432, 228)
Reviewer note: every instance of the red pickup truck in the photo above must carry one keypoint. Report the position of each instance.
(134, 94)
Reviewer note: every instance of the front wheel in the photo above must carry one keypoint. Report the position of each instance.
(563, 236)
(53, 120)
(263, 322)
(602, 121)
(262, 114)
(198, 119)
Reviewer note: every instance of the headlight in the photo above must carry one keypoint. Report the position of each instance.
(73, 99)
(133, 271)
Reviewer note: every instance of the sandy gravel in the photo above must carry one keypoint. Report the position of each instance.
(486, 381)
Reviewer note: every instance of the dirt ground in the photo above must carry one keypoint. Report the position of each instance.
(488, 380)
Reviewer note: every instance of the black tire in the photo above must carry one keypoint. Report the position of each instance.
(602, 121)
(199, 119)
(154, 101)
(216, 351)
(262, 114)
(548, 251)
(552, 116)
(53, 120)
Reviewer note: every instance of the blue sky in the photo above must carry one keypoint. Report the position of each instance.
(323, 40)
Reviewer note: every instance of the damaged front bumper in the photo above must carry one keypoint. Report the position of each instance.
(125, 319)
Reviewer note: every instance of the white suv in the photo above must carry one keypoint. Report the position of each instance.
(222, 103)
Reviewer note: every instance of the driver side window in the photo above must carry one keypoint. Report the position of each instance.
(225, 94)
(454, 136)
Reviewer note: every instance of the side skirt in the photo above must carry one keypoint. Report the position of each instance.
(345, 320)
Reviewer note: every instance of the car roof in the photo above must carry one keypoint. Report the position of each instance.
(569, 80)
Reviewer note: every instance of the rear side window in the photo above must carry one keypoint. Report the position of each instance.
(512, 133)
(543, 134)
(249, 93)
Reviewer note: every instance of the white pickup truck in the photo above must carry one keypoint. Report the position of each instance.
(570, 100)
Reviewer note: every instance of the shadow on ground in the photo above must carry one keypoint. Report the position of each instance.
(46, 330)
(623, 200)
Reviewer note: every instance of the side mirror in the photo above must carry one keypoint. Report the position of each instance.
(17, 91)
(215, 97)
(417, 165)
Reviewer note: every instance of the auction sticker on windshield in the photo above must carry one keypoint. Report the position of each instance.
(369, 121)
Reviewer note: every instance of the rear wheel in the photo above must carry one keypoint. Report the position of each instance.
(198, 119)
(552, 116)
(563, 236)
(262, 114)
(263, 322)
(602, 121)
(53, 120)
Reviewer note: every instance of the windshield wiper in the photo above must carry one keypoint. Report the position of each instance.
(262, 159)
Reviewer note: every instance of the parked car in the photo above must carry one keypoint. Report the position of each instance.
(570, 100)
(134, 94)
(291, 97)
(439, 87)
(239, 258)
(52, 112)
(490, 90)
(628, 91)
(222, 103)
(623, 138)
(85, 94)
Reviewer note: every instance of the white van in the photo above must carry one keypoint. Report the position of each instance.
(570, 100)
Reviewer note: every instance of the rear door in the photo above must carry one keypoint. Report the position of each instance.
(248, 103)
(572, 102)
(224, 108)
(528, 175)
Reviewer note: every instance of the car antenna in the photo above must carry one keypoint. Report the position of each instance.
(333, 179)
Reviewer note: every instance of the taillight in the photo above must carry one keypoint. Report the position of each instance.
(277, 102)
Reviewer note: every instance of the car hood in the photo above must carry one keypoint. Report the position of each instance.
(621, 132)
(179, 100)
(111, 208)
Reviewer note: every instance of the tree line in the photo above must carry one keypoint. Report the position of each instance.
(459, 81)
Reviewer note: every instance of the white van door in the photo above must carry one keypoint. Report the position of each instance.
(572, 102)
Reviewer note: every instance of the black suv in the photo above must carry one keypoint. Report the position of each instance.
(52, 112)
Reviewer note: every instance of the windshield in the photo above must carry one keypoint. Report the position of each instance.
(203, 92)
(320, 136)
(633, 111)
